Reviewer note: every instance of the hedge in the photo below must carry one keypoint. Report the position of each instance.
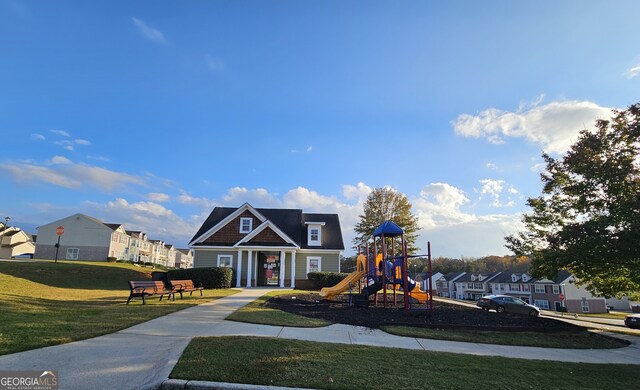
(325, 279)
(220, 277)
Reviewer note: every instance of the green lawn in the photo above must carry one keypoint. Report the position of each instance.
(256, 313)
(293, 363)
(47, 303)
(570, 340)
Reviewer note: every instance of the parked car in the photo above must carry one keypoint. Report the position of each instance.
(632, 321)
(505, 303)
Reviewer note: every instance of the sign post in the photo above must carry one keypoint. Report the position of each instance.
(59, 232)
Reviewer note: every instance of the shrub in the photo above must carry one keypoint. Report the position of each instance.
(561, 309)
(219, 277)
(325, 279)
(111, 259)
(148, 263)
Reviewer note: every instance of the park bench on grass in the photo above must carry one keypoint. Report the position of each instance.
(180, 286)
(147, 288)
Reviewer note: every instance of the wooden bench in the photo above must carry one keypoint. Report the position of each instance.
(180, 286)
(147, 288)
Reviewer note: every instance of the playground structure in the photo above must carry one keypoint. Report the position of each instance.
(373, 274)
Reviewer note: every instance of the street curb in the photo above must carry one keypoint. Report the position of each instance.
(182, 384)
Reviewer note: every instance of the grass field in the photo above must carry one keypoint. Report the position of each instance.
(293, 363)
(47, 303)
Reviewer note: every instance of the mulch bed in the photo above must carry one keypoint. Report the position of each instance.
(443, 316)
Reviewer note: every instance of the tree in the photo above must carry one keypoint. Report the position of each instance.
(386, 204)
(587, 219)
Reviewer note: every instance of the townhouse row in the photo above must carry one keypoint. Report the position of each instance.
(15, 242)
(87, 238)
(560, 293)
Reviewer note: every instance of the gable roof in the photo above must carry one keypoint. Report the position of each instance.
(289, 224)
(485, 277)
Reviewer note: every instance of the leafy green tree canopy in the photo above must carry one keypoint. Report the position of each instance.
(587, 219)
(387, 204)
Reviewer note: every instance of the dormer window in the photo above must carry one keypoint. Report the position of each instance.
(525, 278)
(514, 277)
(314, 229)
(246, 225)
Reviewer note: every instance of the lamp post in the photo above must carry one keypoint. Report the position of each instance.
(4, 229)
(563, 291)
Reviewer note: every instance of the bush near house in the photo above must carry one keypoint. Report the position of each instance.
(219, 277)
(319, 280)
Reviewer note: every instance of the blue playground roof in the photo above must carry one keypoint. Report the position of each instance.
(389, 229)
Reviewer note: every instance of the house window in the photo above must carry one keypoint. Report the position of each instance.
(477, 286)
(246, 225)
(543, 304)
(225, 261)
(514, 287)
(72, 253)
(525, 287)
(556, 289)
(314, 264)
(539, 288)
(585, 306)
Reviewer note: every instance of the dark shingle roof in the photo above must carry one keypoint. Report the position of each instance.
(290, 221)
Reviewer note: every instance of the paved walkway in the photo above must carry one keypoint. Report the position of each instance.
(122, 360)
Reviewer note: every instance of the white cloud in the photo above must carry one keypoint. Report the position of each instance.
(153, 218)
(61, 133)
(491, 166)
(553, 126)
(158, 197)
(496, 190)
(59, 160)
(37, 137)
(99, 158)
(82, 142)
(439, 205)
(66, 144)
(632, 72)
(204, 203)
(148, 32)
(237, 196)
(62, 172)
(310, 148)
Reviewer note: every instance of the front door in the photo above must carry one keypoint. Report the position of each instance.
(268, 269)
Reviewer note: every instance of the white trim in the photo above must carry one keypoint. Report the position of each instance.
(77, 253)
(310, 230)
(244, 219)
(261, 228)
(315, 223)
(282, 264)
(230, 262)
(328, 251)
(249, 264)
(239, 269)
(228, 219)
(319, 263)
(293, 269)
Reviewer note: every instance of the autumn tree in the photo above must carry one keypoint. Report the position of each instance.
(387, 204)
(587, 219)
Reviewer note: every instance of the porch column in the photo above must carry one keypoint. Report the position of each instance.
(282, 264)
(239, 269)
(249, 264)
(293, 269)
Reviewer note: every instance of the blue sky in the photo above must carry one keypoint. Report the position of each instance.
(152, 113)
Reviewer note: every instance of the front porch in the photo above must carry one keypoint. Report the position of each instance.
(266, 267)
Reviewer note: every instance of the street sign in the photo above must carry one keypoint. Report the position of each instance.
(60, 230)
(561, 297)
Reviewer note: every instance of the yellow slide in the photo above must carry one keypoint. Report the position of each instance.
(353, 277)
(419, 295)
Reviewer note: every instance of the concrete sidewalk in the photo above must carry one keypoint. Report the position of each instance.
(143, 356)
